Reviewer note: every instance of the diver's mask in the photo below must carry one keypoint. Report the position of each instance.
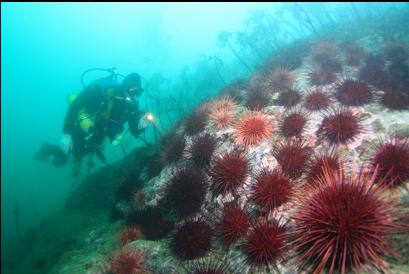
(134, 91)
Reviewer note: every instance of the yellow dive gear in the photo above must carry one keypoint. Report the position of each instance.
(85, 121)
(71, 97)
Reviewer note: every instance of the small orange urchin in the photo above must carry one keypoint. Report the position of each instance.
(129, 261)
(253, 128)
(221, 118)
(226, 103)
(130, 234)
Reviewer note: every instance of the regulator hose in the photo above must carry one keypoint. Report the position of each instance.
(113, 71)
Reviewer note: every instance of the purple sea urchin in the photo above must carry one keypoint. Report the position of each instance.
(281, 79)
(195, 122)
(192, 240)
(202, 150)
(353, 93)
(288, 98)
(185, 192)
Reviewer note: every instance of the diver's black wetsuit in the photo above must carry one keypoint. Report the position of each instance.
(110, 108)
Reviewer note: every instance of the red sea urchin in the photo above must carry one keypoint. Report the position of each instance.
(293, 157)
(391, 161)
(353, 93)
(185, 192)
(293, 124)
(271, 189)
(202, 150)
(129, 261)
(192, 240)
(233, 224)
(343, 225)
(340, 126)
(265, 245)
(316, 100)
(130, 234)
(253, 128)
(331, 161)
(228, 172)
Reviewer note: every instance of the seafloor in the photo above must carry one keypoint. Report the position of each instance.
(84, 237)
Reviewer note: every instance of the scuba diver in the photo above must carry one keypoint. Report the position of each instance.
(100, 110)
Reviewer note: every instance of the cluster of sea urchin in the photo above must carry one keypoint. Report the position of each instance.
(340, 223)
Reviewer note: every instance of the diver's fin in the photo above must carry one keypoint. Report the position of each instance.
(44, 153)
(100, 156)
(60, 158)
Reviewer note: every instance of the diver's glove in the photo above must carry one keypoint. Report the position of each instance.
(145, 121)
(65, 143)
(118, 139)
